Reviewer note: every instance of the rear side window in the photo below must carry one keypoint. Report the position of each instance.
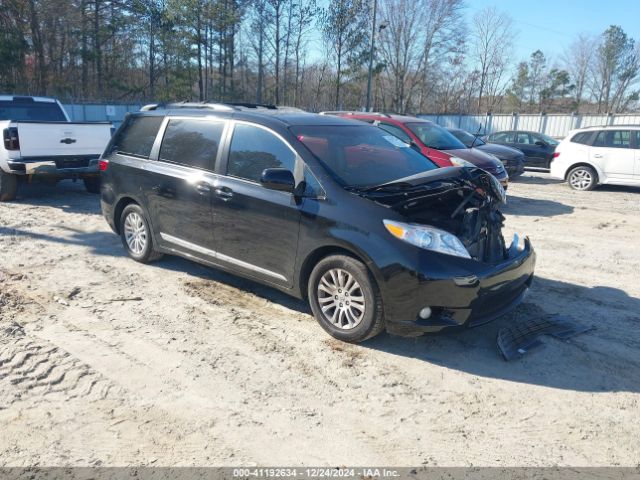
(192, 142)
(613, 139)
(395, 131)
(523, 139)
(505, 137)
(253, 149)
(29, 110)
(583, 138)
(136, 137)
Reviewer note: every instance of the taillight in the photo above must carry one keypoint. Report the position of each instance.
(556, 154)
(103, 165)
(11, 140)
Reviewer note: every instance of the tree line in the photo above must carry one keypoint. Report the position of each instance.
(428, 56)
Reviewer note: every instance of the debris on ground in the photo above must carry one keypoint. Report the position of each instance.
(517, 339)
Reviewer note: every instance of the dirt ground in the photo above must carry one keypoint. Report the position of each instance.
(104, 361)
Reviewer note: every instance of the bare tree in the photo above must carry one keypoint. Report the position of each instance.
(492, 37)
(578, 60)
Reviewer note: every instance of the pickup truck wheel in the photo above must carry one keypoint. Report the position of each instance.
(582, 178)
(136, 235)
(92, 184)
(8, 186)
(345, 299)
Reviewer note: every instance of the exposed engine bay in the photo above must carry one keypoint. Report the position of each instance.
(462, 201)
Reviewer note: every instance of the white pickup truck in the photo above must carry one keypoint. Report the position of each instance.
(39, 140)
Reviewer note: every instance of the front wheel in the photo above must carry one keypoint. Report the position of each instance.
(8, 186)
(582, 178)
(345, 299)
(136, 234)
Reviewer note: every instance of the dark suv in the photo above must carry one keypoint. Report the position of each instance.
(371, 232)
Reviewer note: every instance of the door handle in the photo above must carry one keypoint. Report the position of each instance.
(225, 193)
(203, 188)
(598, 155)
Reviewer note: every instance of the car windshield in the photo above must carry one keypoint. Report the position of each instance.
(361, 156)
(31, 111)
(434, 136)
(467, 138)
(551, 141)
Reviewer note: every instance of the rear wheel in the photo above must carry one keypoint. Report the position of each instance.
(136, 234)
(8, 186)
(345, 299)
(582, 178)
(92, 184)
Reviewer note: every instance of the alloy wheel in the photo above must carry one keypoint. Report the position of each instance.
(135, 233)
(341, 299)
(581, 179)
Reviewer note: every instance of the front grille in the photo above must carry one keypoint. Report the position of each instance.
(72, 162)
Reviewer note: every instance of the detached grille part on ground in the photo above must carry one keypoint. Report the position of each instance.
(518, 338)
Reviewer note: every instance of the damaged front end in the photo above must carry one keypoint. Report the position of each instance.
(462, 201)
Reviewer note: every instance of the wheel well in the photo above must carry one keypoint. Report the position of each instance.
(117, 212)
(581, 164)
(312, 260)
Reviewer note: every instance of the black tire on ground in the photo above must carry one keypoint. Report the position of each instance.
(92, 184)
(582, 178)
(8, 186)
(146, 252)
(371, 322)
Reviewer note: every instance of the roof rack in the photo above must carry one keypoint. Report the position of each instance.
(218, 106)
(354, 112)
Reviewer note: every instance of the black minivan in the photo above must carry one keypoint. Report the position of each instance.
(339, 212)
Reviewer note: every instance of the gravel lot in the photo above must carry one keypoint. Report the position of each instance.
(104, 361)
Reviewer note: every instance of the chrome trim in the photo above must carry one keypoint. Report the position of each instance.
(220, 256)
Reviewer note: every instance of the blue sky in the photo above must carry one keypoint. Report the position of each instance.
(551, 25)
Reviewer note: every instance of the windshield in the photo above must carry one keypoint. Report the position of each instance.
(31, 111)
(549, 140)
(434, 136)
(467, 138)
(362, 156)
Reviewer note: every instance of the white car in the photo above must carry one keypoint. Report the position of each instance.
(40, 140)
(599, 155)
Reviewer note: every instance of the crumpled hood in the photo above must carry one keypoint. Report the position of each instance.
(462, 201)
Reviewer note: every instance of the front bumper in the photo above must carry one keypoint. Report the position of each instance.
(514, 167)
(60, 167)
(465, 301)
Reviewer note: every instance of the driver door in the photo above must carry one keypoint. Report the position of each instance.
(256, 228)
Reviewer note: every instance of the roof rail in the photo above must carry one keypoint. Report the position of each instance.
(219, 106)
(354, 112)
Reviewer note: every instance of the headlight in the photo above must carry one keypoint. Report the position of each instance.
(458, 162)
(498, 189)
(428, 238)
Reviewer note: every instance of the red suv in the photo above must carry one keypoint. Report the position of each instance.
(432, 140)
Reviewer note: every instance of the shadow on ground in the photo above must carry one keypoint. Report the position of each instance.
(534, 207)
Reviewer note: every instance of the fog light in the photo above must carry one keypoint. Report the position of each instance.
(425, 313)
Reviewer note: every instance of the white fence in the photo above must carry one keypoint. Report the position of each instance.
(554, 125)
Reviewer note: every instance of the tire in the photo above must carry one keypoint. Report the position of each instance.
(92, 184)
(8, 186)
(350, 324)
(136, 234)
(582, 178)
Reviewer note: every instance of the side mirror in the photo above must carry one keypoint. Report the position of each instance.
(279, 179)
